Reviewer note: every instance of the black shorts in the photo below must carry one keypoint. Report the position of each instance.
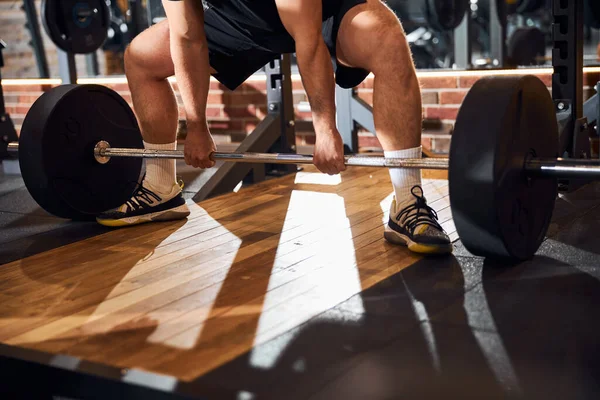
(242, 42)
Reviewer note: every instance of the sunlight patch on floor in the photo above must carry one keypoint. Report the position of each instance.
(317, 178)
(316, 292)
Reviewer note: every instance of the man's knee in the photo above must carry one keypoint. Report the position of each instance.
(148, 54)
(132, 60)
(392, 52)
(133, 57)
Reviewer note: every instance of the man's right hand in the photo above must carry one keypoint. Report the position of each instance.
(329, 151)
(199, 145)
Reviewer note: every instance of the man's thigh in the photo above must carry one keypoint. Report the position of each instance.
(359, 37)
(151, 50)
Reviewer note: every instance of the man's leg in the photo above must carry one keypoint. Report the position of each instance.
(396, 94)
(371, 37)
(148, 64)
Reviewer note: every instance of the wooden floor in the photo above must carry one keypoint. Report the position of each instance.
(183, 298)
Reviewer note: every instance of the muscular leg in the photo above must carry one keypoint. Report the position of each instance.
(397, 107)
(147, 66)
(396, 95)
(372, 38)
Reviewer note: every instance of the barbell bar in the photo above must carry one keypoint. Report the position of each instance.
(103, 152)
(548, 167)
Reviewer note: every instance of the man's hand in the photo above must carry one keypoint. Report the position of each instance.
(199, 145)
(329, 152)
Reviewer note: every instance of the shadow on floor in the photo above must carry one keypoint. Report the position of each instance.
(529, 332)
(70, 294)
(24, 235)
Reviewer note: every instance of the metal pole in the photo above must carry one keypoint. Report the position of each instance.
(497, 33)
(36, 38)
(535, 167)
(598, 110)
(93, 69)
(567, 61)
(104, 154)
(563, 168)
(540, 167)
(462, 44)
(67, 67)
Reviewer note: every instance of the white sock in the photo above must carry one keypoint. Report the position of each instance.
(160, 172)
(404, 179)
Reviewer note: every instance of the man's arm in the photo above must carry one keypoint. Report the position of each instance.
(303, 20)
(189, 52)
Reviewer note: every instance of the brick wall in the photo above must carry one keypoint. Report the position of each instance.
(234, 114)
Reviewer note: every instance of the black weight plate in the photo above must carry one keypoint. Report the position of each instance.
(76, 26)
(497, 210)
(56, 151)
(445, 15)
(526, 46)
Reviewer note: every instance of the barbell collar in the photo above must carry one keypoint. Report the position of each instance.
(13, 148)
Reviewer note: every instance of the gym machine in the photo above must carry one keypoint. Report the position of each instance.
(36, 38)
(504, 47)
(275, 134)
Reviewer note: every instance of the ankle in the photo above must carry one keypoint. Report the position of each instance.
(166, 192)
(160, 172)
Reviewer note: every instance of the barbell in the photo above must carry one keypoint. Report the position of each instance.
(548, 167)
(503, 165)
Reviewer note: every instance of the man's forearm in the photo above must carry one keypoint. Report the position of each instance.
(315, 67)
(192, 71)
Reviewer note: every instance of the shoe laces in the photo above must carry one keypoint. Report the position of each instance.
(419, 213)
(143, 197)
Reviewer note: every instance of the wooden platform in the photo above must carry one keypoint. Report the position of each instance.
(183, 298)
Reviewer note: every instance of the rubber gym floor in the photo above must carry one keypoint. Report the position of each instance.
(287, 290)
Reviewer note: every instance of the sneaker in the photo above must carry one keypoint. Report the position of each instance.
(416, 226)
(147, 206)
